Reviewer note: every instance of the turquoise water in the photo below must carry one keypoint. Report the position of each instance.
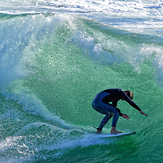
(55, 56)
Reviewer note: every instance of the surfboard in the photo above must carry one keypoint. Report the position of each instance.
(104, 135)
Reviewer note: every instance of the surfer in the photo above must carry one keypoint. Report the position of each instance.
(105, 102)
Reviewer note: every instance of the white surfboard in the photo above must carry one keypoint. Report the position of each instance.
(104, 135)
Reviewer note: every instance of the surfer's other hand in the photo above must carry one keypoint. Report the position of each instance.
(125, 116)
(143, 113)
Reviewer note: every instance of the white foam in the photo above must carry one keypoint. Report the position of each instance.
(138, 16)
(20, 44)
(138, 8)
(82, 141)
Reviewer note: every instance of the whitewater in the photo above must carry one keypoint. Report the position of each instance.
(55, 56)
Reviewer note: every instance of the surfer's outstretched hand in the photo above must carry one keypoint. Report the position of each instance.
(143, 113)
(125, 116)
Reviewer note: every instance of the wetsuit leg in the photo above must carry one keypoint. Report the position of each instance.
(115, 118)
(104, 121)
(106, 109)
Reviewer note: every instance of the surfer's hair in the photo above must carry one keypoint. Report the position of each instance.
(129, 94)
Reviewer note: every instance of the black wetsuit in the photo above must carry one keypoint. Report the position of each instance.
(105, 102)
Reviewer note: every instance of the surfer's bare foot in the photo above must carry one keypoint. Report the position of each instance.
(98, 132)
(114, 131)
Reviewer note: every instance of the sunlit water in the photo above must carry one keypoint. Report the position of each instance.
(55, 56)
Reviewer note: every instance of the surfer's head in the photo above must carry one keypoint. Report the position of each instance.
(129, 94)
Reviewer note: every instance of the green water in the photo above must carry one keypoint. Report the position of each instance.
(45, 105)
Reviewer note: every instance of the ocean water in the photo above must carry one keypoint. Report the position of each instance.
(55, 56)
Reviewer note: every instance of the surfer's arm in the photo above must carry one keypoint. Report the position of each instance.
(126, 98)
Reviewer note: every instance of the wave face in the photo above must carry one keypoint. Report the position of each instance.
(55, 56)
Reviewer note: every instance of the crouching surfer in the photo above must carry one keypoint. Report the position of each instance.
(105, 102)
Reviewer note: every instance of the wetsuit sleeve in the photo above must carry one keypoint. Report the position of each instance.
(127, 99)
(116, 109)
(115, 105)
(119, 111)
